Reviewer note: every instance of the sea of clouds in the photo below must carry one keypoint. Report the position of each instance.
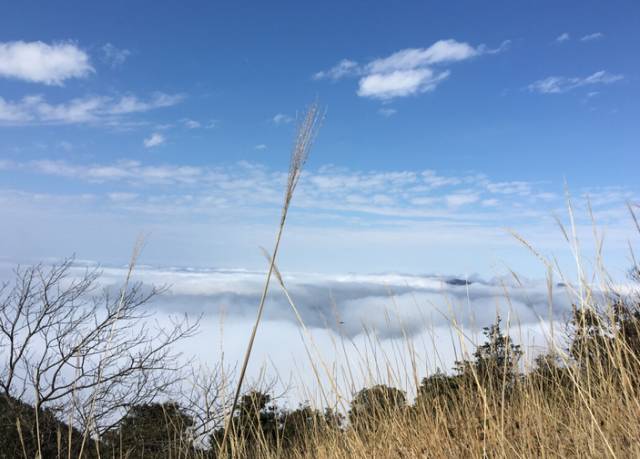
(362, 328)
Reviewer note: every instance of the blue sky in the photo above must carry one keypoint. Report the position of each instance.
(445, 125)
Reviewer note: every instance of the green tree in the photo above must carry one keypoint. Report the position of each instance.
(151, 430)
(20, 431)
(550, 375)
(259, 424)
(494, 363)
(606, 342)
(373, 405)
(438, 390)
(254, 423)
(297, 427)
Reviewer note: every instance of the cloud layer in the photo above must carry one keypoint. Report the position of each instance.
(392, 305)
(35, 109)
(410, 194)
(358, 220)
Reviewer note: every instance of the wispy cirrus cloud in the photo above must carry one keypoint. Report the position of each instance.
(35, 109)
(461, 199)
(454, 220)
(406, 72)
(384, 203)
(154, 140)
(381, 194)
(593, 36)
(114, 56)
(387, 111)
(133, 172)
(132, 104)
(344, 68)
(191, 124)
(563, 37)
(38, 62)
(561, 84)
(281, 118)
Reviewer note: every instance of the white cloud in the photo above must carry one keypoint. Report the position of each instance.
(563, 37)
(132, 172)
(424, 201)
(559, 84)
(515, 187)
(407, 72)
(433, 180)
(39, 62)
(387, 111)
(35, 109)
(461, 199)
(131, 104)
(113, 56)
(400, 83)
(252, 189)
(593, 36)
(122, 196)
(442, 51)
(358, 299)
(191, 124)
(186, 207)
(154, 140)
(195, 124)
(281, 118)
(342, 69)
(260, 146)
(13, 113)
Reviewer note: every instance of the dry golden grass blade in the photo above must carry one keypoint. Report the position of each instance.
(634, 216)
(306, 134)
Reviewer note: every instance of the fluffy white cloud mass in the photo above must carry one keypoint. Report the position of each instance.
(406, 72)
(400, 83)
(355, 320)
(353, 303)
(39, 62)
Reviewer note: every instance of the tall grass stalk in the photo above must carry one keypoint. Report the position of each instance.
(307, 131)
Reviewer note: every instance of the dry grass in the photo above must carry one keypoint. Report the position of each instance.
(306, 134)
